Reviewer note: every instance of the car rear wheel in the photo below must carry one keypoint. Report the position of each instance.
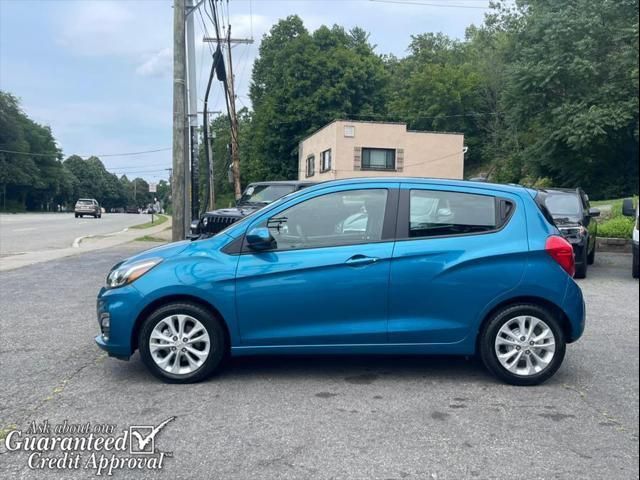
(635, 266)
(182, 343)
(591, 258)
(522, 344)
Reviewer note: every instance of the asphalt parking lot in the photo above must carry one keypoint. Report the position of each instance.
(325, 417)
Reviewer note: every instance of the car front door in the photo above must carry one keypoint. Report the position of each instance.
(325, 279)
(457, 250)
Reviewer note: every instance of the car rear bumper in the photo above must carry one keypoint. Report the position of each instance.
(575, 309)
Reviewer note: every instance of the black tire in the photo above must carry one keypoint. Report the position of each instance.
(214, 328)
(490, 331)
(634, 268)
(76, 215)
(581, 268)
(591, 258)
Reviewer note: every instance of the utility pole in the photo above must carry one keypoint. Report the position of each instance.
(231, 108)
(178, 190)
(212, 185)
(193, 113)
(231, 98)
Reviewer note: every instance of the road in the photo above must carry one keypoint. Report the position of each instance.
(30, 232)
(325, 417)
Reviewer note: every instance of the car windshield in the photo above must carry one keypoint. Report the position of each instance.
(85, 202)
(563, 204)
(264, 194)
(274, 204)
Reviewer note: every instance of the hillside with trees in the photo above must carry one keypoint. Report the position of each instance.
(545, 92)
(34, 176)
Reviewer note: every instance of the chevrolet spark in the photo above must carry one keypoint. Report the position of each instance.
(360, 266)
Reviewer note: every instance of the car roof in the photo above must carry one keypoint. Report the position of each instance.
(574, 191)
(511, 188)
(284, 182)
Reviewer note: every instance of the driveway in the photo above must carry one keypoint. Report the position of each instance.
(334, 417)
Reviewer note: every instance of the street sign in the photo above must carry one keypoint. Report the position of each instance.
(153, 187)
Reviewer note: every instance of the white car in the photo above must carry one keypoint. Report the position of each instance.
(629, 211)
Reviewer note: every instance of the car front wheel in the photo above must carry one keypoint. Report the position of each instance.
(182, 343)
(522, 344)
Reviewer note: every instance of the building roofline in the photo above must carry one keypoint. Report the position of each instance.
(376, 122)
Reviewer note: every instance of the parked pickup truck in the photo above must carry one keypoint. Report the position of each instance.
(256, 196)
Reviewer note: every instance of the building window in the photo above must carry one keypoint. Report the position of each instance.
(311, 165)
(349, 131)
(325, 161)
(378, 159)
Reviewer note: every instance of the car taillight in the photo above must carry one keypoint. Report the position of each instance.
(562, 252)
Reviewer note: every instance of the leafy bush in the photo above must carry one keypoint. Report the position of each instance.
(618, 227)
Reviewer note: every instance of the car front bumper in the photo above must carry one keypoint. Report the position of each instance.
(121, 305)
(580, 245)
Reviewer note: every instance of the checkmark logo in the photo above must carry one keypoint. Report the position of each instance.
(142, 437)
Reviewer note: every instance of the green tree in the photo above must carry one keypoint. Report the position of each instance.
(572, 92)
(302, 81)
(33, 177)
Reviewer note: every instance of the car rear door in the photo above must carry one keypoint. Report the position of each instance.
(326, 280)
(457, 250)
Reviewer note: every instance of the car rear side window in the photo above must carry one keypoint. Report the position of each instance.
(434, 213)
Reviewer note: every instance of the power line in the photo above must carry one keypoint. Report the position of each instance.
(125, 154)
(139, 168)
(425, 4)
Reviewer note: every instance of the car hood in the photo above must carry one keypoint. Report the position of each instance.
(235, 212)
(566, 221)
(164, 251)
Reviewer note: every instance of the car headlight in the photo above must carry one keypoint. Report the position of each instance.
(125, 274)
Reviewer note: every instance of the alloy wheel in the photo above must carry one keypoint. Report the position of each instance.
(525, 345)
(179, 344)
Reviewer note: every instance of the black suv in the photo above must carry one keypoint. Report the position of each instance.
(573, 216)
(254, 197)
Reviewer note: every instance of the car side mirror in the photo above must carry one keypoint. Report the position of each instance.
(594, 212)
(260, 238)
(627, 208)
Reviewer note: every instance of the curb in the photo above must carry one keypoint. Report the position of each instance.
(614, 245)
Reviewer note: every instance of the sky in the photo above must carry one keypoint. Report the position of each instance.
(99, 72)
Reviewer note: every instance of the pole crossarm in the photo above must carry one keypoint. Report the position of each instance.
(246, 41)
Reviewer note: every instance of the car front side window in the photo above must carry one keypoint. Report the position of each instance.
(341, 218)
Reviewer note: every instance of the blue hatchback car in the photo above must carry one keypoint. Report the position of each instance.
(360, 266)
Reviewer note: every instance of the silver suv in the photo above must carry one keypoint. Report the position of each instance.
(88, 206)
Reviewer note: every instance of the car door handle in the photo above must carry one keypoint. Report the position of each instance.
(360, 260)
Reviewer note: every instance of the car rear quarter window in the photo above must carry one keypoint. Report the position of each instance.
(434, 213)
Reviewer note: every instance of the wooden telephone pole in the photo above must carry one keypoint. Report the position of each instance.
(231, 103)
(179, 122)
(231, 98)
